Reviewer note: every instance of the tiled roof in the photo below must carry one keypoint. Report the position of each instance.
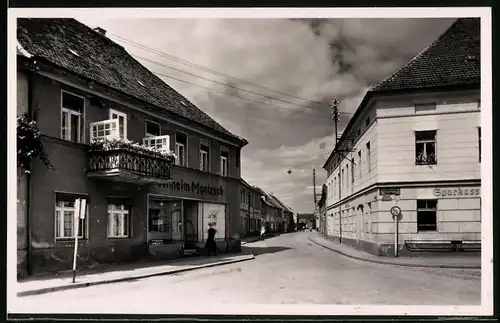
(453, 59)
(76, 47)
(283, 205)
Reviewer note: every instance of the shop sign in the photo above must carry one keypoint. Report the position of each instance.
(457, 192)
(195, 187)
(390, 191)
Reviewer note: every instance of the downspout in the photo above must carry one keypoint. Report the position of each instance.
(28, 188)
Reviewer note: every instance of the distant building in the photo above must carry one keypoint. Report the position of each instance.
(306, 220)
(288, 223)
(414, 142)
(250, 209)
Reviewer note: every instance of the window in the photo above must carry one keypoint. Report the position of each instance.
(72, 107)
(118, 219)
(368, 157)
(104, 129)
(425, 107)
(335, 188)
(425, 147)
(159, 142)
(224, 157)
(122, 122)
(153, 129)
(180, 148)
(360, 163)
(479, 141)
(204, 157)
(342, 184)
(347, 176)
(426, 215)
(65, 217)
(353, 172)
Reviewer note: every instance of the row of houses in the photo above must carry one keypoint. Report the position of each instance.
(259, 208)
(405, 176)
(153, 169)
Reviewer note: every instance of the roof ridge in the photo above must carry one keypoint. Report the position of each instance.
(414, 58)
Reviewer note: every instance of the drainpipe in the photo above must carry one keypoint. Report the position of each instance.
(28, 188)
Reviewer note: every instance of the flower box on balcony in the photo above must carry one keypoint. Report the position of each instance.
(123, 160)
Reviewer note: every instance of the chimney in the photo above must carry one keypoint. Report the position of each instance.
(100, 31)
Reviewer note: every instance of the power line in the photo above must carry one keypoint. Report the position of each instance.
(233, 95)
(183, 61)
(223, 84)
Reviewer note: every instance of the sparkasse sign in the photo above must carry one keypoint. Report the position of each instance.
(457, 192)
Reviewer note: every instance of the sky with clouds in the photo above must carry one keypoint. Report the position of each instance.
(293, 68)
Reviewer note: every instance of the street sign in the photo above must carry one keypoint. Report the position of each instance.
(395, 211)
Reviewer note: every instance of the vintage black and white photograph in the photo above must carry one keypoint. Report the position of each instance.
(242, 161)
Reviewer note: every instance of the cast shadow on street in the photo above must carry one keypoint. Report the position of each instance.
(256, 251)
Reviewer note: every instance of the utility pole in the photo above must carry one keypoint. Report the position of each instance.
(335, 117)
(314, 192)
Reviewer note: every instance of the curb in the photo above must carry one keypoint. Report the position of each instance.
(123, 279)
(397, 264)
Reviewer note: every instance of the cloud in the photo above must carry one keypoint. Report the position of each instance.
(311, 61)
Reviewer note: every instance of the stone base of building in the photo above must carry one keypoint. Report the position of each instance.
(22, 266)
(387, 250)
(54, 260)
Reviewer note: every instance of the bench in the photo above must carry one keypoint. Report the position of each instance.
(443, 245)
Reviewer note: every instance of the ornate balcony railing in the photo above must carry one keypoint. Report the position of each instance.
(127, 165)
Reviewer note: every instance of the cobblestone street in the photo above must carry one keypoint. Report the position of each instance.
(288, 269)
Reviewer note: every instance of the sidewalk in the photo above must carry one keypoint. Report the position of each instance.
(449, 262)
(119, 273)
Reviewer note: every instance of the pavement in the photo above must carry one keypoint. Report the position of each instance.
(39, 285)
(288, 269)
(442, 261)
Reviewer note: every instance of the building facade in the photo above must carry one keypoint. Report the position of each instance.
(138, 205)
(414, 143)
(250, 210)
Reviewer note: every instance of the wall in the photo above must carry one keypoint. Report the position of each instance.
(47, 97)
(456, 120)
(22, 188)
(458, 217)
(364, 175)
(229, 196)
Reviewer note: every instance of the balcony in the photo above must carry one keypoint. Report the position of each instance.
(116, 159)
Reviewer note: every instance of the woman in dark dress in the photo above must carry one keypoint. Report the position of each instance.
(210, 244)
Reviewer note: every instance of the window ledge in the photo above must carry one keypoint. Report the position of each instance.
(118, 238)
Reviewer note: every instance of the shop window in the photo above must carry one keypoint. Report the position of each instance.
(65, 217)
(118, 219)
(153, 129)
(72, 107)
(427, 215)
(180, 149)
(204, 157)
(425, 147)
(224, 162)
(164, 219)
(122, 122)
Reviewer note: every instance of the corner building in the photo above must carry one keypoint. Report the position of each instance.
(83, 86)
(414, 142)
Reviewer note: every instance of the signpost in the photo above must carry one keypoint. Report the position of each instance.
(396, 213)
(80, 205)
